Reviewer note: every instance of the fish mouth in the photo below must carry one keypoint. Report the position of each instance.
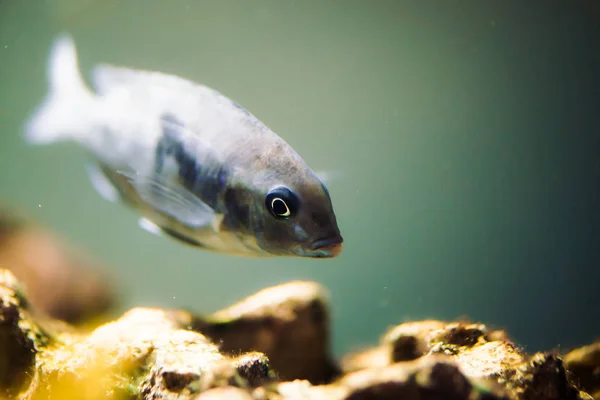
(326, 248)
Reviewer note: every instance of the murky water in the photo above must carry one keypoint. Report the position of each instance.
(467, 136)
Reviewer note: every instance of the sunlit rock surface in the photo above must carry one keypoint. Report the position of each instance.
(273, 345)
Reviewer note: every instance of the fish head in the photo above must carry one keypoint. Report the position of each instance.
(295, 217)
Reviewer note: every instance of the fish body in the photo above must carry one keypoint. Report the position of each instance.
(195, 165)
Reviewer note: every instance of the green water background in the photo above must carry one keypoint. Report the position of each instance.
(466, 134)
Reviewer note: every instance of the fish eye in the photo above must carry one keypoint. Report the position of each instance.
(282, 203)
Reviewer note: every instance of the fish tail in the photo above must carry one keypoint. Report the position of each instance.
(60, 115)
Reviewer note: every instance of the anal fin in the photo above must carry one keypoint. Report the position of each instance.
(154, 229)
(182, 238)
(150, 226)
(101, 184)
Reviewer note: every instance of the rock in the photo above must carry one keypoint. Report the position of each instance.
(108, 362)
(483, 355)
(302, 389)
(161, 354)
(185, 363)
(289, 323)
(479, 351)
(20, 339)
(435, 377)
(544, 377)
(144, 353)
(584, 365)
(60, 280)
(227, 392)
(255, 368)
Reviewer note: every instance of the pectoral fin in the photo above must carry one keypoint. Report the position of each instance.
(171, 198)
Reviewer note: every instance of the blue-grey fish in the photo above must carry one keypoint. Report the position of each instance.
(195, 165)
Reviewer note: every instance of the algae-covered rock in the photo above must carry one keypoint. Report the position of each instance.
(543, 377)
(484, 356)
(584, 365)
(145, 353)
(171, 354)
(20, 338)
(481, 352)
(289, 323)
(435, 377)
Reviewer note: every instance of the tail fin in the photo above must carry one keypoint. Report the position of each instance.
(59, 117)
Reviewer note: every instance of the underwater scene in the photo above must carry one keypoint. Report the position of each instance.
(299, 199)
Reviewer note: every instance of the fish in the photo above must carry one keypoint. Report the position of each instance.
(194, 165)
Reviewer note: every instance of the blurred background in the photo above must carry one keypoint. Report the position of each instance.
(467, 135)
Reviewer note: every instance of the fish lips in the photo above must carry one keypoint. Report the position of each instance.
(324, 248)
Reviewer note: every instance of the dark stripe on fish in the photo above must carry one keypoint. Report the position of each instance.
(199, 171)
(176, 235)
(238, 210)
(167, 144)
